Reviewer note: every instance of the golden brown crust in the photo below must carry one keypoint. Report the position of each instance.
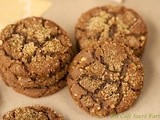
(105, 78)
(112, 23)
(35, 54)
(32, 113)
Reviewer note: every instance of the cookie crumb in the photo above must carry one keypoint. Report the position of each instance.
(143, 37)
(83, 59)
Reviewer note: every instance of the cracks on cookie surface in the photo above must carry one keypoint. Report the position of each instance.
(111, 85)
(122, 75)
(112, 30)
(118, 25)
(33, 47)
(26, 39)
(32, 112)
(123, 87)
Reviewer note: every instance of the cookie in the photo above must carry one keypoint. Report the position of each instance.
(105, 78)
(32, 113)
(115, 23)
(35, 54)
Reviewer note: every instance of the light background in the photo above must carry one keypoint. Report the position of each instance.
(65, 13)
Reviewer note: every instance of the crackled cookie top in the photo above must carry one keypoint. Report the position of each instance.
(113, 23)
(105, 78)
(35, 54)
(32, 113)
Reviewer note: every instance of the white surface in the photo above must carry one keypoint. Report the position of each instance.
(13, 10)
(65, 13)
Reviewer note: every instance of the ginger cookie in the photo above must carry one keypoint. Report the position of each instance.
(35, 54)
(32, 113)
(116, 23)
(105, 78)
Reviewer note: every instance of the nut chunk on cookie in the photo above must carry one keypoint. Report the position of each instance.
(32, 113)
(105, 78)
(112, 23)
(35, 54)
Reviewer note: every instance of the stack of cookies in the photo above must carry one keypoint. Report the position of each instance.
(105, 77)
(35, 54)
